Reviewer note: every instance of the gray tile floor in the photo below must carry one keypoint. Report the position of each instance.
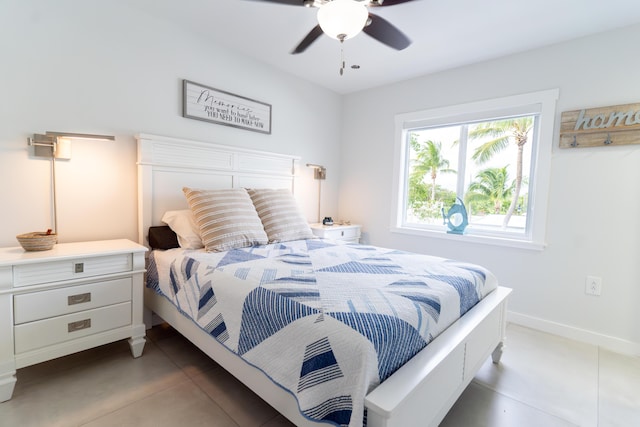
(543, 380)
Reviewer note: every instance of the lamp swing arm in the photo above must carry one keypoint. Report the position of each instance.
(52, 140)
(320, 172)
(49, 139)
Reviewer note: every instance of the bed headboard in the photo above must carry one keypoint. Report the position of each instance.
(166, 164)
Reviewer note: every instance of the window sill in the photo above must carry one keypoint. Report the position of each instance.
(472, 238)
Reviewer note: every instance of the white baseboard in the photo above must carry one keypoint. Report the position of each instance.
(610, 343)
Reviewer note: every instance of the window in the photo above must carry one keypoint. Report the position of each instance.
(493, 155)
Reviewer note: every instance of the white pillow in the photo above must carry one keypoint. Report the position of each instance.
(184, 225)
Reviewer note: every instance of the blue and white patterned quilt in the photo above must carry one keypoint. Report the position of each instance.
(324, 320)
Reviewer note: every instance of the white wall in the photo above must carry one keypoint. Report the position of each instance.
(100, 67)
(593, 226)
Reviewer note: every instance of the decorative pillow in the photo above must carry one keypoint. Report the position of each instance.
(184, 225)
(280, 215)
(226, 218)
(162, 237)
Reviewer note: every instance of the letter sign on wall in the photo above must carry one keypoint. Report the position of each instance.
(595, 127)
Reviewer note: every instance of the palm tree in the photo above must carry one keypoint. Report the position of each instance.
(491, 186)
(501, 134)
(429, 160)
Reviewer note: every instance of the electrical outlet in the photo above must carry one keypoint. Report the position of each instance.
(593, 285)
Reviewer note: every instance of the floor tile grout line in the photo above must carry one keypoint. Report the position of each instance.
(172, 385)
(145, 396)
(190, 378)
(214, 401)
(515, 399)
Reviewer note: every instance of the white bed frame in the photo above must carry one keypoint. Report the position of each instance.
(418, 394)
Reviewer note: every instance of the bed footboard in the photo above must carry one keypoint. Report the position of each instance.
(423, 391)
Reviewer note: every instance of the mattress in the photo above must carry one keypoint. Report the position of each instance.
(325, 320)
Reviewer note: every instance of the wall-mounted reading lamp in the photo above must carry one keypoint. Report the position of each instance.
(319, 173)
(57, 145)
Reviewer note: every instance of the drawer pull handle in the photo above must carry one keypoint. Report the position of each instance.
(79, 267)
(79, 325)
(79, 298)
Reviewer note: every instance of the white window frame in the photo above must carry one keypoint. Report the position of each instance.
(542, 103)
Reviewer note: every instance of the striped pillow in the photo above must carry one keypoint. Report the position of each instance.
(280, 215)
(226, 218)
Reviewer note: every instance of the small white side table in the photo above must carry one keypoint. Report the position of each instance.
(71, 298)
(346, 233)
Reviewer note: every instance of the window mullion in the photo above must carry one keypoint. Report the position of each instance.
(407, 167)
(531, 193)
(462, 160)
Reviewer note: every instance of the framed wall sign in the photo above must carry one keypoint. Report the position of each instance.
(213, 105)
(601, 127)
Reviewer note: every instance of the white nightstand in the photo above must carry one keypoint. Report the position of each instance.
(347, 233)
(73, 297)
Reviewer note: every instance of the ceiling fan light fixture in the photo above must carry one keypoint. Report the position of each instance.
(342, 19)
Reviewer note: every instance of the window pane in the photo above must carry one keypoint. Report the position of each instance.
(432, 173)
(496, 187)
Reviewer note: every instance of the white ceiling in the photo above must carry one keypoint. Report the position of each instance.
(445, 34)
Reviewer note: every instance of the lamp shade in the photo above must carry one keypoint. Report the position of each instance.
(342, 19)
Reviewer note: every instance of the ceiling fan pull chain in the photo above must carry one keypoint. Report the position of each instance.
(342, 56)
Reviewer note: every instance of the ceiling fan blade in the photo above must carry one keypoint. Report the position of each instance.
(383, 31)
(287, 2)
(306, 42)
(374, 3)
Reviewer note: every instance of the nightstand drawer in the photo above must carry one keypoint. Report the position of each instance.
(345, 233)
(43, 333)
(55, 271)
(56, 302)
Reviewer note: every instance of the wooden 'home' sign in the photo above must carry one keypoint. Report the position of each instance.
(595, 127)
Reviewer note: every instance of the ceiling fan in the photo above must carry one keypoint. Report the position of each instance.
(344, 19)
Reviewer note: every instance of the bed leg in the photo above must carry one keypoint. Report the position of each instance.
(496, 355)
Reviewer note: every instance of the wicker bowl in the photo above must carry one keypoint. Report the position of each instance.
(37, 241)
